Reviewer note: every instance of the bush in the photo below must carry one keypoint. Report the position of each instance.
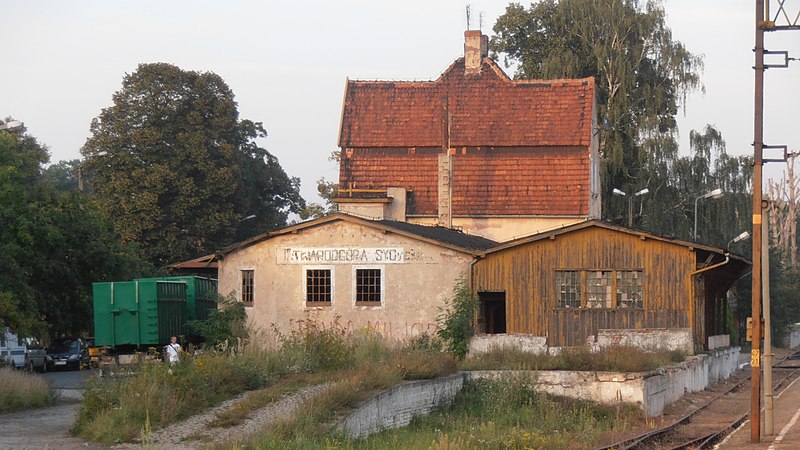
(227, 323)
(457, 319)
(314, 349)
(21, 390)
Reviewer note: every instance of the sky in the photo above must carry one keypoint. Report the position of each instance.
(287, 63)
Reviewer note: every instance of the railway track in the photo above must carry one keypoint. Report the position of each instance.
(713, 414)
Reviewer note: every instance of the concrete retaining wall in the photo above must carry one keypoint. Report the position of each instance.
(396, 407)
(652, 391)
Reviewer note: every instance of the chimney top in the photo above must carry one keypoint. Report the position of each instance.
(476, 47)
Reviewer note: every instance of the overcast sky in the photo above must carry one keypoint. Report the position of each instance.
(287, 63)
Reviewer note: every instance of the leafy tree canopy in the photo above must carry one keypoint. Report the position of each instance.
(177, 170)
(642, 74)
(54, 245)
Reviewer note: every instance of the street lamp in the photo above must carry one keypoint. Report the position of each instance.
(630, 201)
(744, 235)
(10, 125)
(716, 193)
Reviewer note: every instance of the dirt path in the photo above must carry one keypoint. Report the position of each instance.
(195, 432)
(41, 428)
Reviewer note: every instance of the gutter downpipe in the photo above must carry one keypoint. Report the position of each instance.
(706, 269)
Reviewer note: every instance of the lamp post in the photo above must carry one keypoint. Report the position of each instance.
(742, 236)
(10, 125)
(716, 193)
(630, 201)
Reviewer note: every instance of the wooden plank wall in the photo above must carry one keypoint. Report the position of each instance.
(526, 274)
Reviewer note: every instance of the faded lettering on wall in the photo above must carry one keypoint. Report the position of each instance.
(348, 255)
(385, 328)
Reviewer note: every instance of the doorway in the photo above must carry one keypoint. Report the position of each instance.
(492, 312)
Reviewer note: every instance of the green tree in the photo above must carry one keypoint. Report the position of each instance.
(642, 75)
(54, 245)
(177, 170)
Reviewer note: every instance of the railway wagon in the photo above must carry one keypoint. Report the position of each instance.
(201, 294)
(149, 311)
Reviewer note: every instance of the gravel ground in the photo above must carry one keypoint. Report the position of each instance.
(195, 432)
(41, 428)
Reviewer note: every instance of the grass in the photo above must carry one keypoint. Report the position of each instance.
(118, 409)
(487, 414)
(614, 359)
(22, 390)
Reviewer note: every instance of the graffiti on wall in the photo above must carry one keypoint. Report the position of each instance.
(385, 328)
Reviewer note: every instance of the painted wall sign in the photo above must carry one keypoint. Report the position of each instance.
(347, 255)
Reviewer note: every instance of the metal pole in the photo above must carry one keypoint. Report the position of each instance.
(758, 147)
(630, 211)
(769, 424)
(695, 216)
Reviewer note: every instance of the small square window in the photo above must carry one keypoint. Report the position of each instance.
(368, 287)
(248, 284)
(629, 289)
(568, 285)
(598, 289)
(318, 287)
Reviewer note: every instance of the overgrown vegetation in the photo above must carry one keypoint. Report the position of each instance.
(21, 390)
(118, 408)
(226, 323)
(617, 359)
(457, 319)
(487, 414)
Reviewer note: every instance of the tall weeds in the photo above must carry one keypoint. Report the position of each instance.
(22, 390)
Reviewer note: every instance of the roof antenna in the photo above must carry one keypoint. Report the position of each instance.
(480, 21)
(468, 14)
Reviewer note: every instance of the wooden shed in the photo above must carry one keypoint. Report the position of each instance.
(568, 283)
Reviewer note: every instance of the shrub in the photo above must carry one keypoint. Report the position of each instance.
(227, 323)
(457, 319)
(21, 390)
(314, 348)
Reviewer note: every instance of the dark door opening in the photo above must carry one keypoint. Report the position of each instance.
(492, 308)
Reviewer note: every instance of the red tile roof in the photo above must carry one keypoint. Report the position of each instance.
(486, 109)
(486, 182)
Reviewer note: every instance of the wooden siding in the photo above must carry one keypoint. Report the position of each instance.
(526, 274)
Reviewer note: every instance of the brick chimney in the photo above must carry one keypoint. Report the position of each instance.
(476, 47)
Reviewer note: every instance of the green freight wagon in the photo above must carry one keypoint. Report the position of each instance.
(201, 294)
(139, 313)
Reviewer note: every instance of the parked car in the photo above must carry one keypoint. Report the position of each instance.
(36, 357)
(69, 353)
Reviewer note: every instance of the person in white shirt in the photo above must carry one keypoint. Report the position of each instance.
(173, 350)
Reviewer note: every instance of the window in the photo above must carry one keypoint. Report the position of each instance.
(598, 289)
(368, 287)
(319, 288)
(568, 284)
(629, 289)
(248, 282)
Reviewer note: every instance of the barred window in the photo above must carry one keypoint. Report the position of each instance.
(568, 285)
(598, 289)
(629, 289)
(319, 289)
(368, 287)
(248, 283)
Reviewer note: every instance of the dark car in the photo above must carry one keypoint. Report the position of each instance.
(68, 352)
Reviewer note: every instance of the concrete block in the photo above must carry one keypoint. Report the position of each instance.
(484, 343)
